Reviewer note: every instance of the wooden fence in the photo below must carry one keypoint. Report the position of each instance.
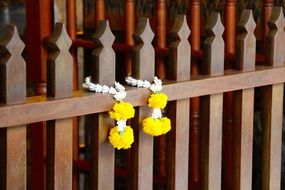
(62, 104)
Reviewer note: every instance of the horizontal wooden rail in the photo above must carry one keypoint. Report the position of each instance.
(40, 108)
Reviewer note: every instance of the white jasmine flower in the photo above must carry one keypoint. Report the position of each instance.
(119, 87)
(119, 96)
(121, 125)
(156, 113)
(105, 89)
(146, 84)
(140, 83)
(112, 90)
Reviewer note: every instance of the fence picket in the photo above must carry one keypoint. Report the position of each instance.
(244, 105)
(142, 68)
(272, 107)
(179, 112)
(12, 91)
(212, 106)
(102, 72)
(59, 132)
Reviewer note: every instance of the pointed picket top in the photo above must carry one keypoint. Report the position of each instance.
(12, 42)
(214, 26)
(143, 31)
(214, 46)
(59, 39)
(275, 38)
(247, 23)
(12, 67)
(179, 50)
(246, 42)
(60, 64)
(277, 20)
(180, 29)
(104, 35)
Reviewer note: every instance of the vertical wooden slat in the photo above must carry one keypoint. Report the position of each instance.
(142, 148)
(179, 52)
(266, 13)
(59, 132)
(99, 10)
(230, 35)
(130, 18)
(244, 105)
(195, 24)
(212, 106)
(12, 91)
(102, 72)
(272, 106)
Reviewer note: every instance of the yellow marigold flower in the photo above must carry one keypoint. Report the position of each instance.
(156, 127)
(166, 124)
(122, 140)
(158, 100)
(122, 111)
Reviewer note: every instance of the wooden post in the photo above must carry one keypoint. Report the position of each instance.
(142, 148)
(161, 27)
(194, 157)
(212, 106)
(102, 72)
(179, 70)
(99, 10)
(266, 13)
(13, 156)
(130, 18)
(230, 35)
(71, 30)
(59, 132)
(39, 27)
(272, 106)
(160, 71)
(244, 105)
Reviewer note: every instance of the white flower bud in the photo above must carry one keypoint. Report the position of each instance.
(119, 87)
(112, 90)
(156, 113)
(121, 125)
(105, 89)
(119, 96)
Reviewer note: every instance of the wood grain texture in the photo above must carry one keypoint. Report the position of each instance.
(244, 105)
(179, 70)
(13, 161)
(59, 132)
(82, 103)
(212, 106)
(143, 68)
(102, 72)
(272, 105)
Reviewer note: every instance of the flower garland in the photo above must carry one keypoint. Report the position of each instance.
(121, 136)
(156, 124)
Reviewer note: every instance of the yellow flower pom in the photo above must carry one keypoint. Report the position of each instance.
(158, 100)
(156, 127)
(123, 140)
(166, 124)
(122, 111)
